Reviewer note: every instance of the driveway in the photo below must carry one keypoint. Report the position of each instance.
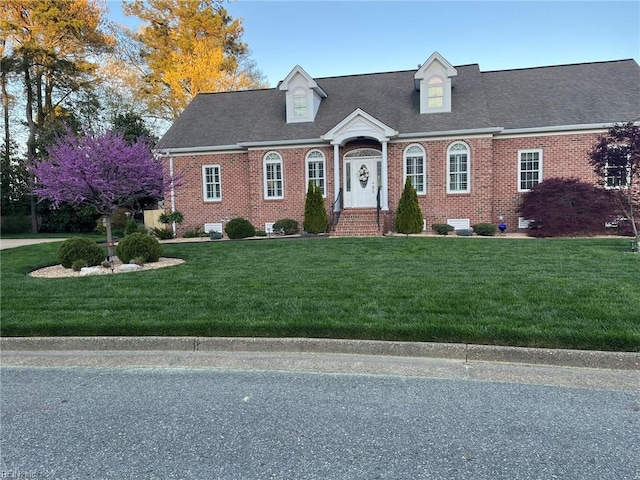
(20, 242)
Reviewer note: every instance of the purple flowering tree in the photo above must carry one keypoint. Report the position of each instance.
(100, 170)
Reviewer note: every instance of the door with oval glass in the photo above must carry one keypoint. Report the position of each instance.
(361, 182)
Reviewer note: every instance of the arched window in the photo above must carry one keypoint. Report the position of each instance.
(415, 168)
(273, 176)
(458, 168)
(316, 170)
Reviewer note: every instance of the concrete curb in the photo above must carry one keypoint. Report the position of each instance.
(451, 351)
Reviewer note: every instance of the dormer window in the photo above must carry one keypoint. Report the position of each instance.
(435, 79)
(300, 103)
(435, 92)
(303, 96)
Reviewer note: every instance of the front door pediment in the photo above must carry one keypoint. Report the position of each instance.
(359, 124)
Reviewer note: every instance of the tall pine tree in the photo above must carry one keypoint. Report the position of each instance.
(409, 216)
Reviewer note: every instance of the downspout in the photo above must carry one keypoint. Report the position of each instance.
(173, 193)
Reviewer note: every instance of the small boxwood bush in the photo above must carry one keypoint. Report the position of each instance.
(463, 232)
(78, 265)
(485, 229)
(239, 228)
(139, 245)
(289, 226)
(442, 228)
(83, 249)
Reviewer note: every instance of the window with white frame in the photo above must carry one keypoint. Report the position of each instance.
(458, 165)
(273, 176)
(435, 93)
(617, 176)
(414, 168)
(300, 103)
(316, 169)
(211, 183)
(529, 169)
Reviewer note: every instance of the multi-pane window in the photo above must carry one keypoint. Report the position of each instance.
(316, 169)
(211, 184)
(458, 168)
(414, 168)
(435, 93)
(529, 169)
(617, 176)
(299, 103)
(273, 177)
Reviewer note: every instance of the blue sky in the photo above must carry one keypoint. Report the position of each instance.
(333, 38)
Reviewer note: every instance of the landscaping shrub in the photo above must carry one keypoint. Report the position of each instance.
(289, 226)
(78, 265)
(239, 228)
(139, 245)
(566, 207)
(316, 219)
(15, 224)
(464, 232)
(132, 227)
(484, 229)
(442, 228)
(194, 233)
(83, 249)
(409, 216)
(162, 233)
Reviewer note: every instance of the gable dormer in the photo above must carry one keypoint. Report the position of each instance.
(303, 96)
(434, 79)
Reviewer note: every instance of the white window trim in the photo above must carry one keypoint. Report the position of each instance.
(424, 168)
(617, 187)
(468, 189)
(265, 162)
(540, 168)
(324, 170)
(204, 183)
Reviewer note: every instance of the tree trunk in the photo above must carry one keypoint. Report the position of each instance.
(31, 142)
(5, 111)
(110, 250)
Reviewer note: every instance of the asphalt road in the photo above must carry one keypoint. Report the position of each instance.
(160, 422)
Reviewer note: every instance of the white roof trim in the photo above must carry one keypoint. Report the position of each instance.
(435, 57)
(359, 124)
(311, 83)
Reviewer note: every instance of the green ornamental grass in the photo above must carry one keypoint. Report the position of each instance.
(560, 293)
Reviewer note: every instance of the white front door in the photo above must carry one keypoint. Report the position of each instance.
(361, 182)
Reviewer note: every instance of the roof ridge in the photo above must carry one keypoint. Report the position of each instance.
(558, 65)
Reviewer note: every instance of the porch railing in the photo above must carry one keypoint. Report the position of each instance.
(336, 210)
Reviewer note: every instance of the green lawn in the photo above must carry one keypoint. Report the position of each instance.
(566, 293)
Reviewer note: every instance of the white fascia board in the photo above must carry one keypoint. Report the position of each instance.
(452, 133)
(556, 129)
(198, 150)
(276, 143)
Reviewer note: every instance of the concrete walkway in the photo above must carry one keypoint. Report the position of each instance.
(21, 242)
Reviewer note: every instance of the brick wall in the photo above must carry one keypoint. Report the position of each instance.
(493, 180)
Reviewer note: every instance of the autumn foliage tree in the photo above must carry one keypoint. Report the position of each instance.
(188, 47)
(616, 160)
(566, 207)
(102, 171)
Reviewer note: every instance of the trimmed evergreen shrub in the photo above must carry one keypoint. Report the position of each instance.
(132, 227)
(239, 228)
(463, 232)
(409, 216)
(83, 249)
(442, 228)
(484, 229)
(289, 226)
(78, 265)
(316, 219)
(139, 245)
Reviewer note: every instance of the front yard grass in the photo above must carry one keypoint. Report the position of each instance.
(560, 293)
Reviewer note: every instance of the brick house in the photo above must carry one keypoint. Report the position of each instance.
(472, 142)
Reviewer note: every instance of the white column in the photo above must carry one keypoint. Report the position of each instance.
(337, 183)
(385, 178)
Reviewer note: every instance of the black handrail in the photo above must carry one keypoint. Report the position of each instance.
(378, 207)
(336, 210)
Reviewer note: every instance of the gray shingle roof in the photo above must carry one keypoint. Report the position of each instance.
(580, 94)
